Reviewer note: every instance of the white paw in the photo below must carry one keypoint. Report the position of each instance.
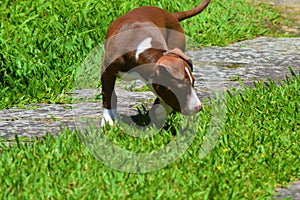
(109, 116)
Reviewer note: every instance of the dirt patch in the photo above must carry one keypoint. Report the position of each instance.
(292, 14)
(290, 9)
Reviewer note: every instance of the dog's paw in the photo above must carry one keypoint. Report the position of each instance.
(109, 116)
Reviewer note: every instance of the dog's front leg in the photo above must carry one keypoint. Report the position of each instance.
(109, 98)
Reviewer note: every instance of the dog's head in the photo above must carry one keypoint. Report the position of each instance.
(174, 82)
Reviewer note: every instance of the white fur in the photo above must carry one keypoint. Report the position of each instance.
(189, 74)
(193, 103)
(109, 115)
(145, 44)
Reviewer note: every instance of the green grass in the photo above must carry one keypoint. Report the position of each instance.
(258, 149)
(43, 43)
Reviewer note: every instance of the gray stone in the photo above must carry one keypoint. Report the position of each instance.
(292, 191)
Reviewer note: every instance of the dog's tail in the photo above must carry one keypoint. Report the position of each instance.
(190, 13)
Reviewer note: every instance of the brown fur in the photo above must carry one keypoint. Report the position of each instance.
(126, 32)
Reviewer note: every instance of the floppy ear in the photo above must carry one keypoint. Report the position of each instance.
(166, 66)
(183, 56)
(166, 71)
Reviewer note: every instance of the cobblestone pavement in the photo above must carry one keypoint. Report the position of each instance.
(215, 68)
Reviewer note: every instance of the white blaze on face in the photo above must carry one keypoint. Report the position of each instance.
(145, 44)
(189, 74)
(194, 103)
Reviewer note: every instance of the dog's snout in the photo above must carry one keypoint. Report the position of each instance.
(192, 110)
(194, 104)
(195, 109)
(198, 107)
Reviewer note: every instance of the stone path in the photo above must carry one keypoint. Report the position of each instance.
(215, 68)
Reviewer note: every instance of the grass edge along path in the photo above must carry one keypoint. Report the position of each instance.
(258, 150)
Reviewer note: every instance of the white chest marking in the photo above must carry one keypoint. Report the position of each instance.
(145, 44)
(189, 74)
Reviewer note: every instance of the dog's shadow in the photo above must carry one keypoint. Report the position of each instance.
(143, 120)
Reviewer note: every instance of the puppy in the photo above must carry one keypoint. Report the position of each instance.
(148, 43)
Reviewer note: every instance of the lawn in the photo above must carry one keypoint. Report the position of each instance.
(42, 46)
(257, 151)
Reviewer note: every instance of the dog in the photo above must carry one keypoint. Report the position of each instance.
(148, 43)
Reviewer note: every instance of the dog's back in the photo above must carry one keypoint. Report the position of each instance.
(157, 16)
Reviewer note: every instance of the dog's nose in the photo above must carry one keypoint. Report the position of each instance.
(193, 109)
(198, 107)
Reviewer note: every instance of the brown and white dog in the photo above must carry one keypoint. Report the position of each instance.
(148, 43)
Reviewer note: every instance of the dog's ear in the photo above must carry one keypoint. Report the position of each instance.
(166, 66)
(183, 56)
(163, 72)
